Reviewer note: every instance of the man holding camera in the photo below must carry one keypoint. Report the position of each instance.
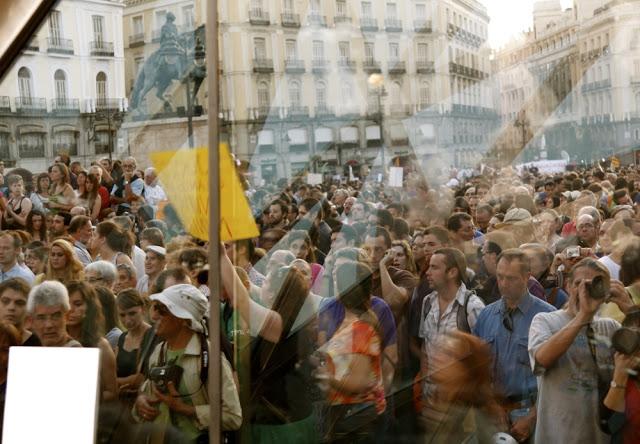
(504, 325)
(175, 392)
(569, 351)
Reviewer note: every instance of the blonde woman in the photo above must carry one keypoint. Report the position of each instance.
(63, 265)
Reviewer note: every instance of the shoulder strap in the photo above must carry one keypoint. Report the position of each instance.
(462, 319)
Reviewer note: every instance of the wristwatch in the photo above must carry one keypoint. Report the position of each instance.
(617, 386)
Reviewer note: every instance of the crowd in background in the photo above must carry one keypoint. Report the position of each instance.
(477, 306)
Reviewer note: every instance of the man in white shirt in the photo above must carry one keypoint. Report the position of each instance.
(153, 191)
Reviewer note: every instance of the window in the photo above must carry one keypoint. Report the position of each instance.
(5, 150)
(367, 12)
(424, 94)
(341, 7)
(294, 94)
(187, 17)
(314, 7)
(423, 52)
(321, 95)
(421, 11)
(25, 88)
(263, 95)
(318, 50)
(369, 51)
(260, 48)
(343, 51)
(291, 50)
(392, 10)
(104, 142)
(31, 145)
(101, 87)
(98, 29)
(60, 80)
(138, 26)
(288, 6)
(55, 27)
(65, 141)
(394, 51)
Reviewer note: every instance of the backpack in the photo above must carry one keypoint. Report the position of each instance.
(462, 317)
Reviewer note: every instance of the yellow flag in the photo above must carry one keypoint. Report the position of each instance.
(185, 177)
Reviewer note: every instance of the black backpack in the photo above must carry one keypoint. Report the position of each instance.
(462, 318)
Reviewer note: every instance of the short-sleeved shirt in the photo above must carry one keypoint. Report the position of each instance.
(401, 278)
(332, 314)
(568, 399)
(18, 272)
(357, 338)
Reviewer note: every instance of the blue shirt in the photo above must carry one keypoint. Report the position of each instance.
(512, 373)
(18, 272)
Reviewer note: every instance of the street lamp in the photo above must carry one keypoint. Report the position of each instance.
(195, 76)
(376, 82)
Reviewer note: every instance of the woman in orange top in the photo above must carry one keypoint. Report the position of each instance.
(353, 370)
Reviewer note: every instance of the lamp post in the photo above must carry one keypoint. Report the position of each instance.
(376, 82)
(195, 76)
(522, 122)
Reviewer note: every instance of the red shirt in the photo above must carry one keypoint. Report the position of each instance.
(632, 413)
(104, 195)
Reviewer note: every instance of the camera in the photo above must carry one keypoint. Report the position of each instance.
(626, 341)
(573, 252)
(597, 289)
(161, 376)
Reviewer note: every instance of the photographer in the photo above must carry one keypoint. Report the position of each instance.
(569, 352)
(175, 392)
(624, 393)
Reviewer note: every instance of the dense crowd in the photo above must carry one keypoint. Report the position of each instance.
(475, 306)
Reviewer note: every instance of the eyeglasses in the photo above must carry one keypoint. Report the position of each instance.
(91, 280)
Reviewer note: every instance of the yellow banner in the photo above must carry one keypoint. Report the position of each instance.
(185, 178)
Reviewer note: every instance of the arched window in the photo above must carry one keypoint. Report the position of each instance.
(25, 87)
(263, 95)
(321, 95)
(101, 87)
(295, 99)
(60, 80)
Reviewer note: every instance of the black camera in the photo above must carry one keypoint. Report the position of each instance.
(597, 289)
(626, 341)
(162, 376)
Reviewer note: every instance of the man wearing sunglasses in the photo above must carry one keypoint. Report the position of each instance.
(504, 325)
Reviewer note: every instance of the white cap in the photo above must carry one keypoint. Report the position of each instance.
(184, 301)
(157, 249)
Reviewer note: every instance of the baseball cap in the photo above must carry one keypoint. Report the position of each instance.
(184, 301)
(157, 249)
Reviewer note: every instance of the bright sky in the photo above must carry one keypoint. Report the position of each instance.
(510, 17)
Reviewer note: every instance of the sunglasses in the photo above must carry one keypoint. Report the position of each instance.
(507, 321)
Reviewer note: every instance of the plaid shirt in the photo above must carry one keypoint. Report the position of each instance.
(433, 326)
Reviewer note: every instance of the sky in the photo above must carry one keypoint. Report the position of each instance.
(510, 17)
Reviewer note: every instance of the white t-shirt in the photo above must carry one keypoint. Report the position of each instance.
(614, 269)
(138, 261)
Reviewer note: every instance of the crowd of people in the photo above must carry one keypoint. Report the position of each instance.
(489, 306)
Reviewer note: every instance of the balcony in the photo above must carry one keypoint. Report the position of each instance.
(342, 18)
(422, 26)
(298, 111)
(105, 104)
(323, 111)
(315, 19)
(594, 86)
(319, 65)
(454, 31)
(5, 104)
(400, 110)
(262, 112)
(31, 105)
(397, 67)
(635, 80)
(290, 20)
(371, 66)
(294, 66)
(425, 67)
(263, 65)
(136, 40)
(101, 48)
(59, 46)
(258, 16)
(347, 64)
(65, 106)
(393, 25)
(368, 24)
(33, 45)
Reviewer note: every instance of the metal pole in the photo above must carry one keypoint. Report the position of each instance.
(189, 112)
(215, 383)
(384, 163)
